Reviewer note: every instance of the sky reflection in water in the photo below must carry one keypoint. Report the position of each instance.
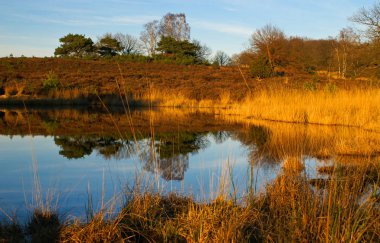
(189, 156)
(71, 178)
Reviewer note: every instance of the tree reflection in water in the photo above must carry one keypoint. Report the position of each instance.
(167, 155)
(74, 147)
(256, 138)
(80, 146)
(172, 168)
(220, 136)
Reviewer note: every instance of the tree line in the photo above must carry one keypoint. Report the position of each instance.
(352, 53)
(271, 53)
(167, 39)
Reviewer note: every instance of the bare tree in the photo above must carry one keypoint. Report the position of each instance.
(204, 52)
(222, 59)
(150, 37)
(269, 42)
(244, 58)
(369, 18)
(344, 49)
(175, 26)
(129, 43)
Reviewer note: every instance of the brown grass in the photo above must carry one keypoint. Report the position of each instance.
(344, 207)
(344, 108)
(279, 141)
(350, 108)
(337, 102)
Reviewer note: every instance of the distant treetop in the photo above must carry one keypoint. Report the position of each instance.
(75, 45)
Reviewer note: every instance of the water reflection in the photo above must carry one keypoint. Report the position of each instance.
(174, 134)
(181, 147)
(166, 153)
(75, 147)
(171, 168)
(257, 138)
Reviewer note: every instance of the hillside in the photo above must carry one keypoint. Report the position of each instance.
(59, 78)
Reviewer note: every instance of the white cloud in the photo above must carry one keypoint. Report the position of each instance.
(48, 20)
(127, 20)
(233, 29)
(91, 20)
(229, 9)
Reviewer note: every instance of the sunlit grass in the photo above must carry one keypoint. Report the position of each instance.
(343, 207)
(357, 108)
(351, 108)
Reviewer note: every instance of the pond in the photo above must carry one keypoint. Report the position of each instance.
(76, 159)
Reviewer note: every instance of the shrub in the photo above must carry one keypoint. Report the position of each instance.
(51, 81)
(310, 69)
(311, 85)
(331, 88)
(260, 68)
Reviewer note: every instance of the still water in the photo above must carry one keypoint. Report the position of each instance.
(68, 156)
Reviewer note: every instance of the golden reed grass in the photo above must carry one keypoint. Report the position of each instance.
(286, 139)
(344, 207)
(340, 208)
(357, 108)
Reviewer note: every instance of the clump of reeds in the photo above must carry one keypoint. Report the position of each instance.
(342, 207)
(44, 226)
(11, 232)
(172, 218)
(101, 228)
(222, 220)
(357, 108)
(291, 209)
(351, 108)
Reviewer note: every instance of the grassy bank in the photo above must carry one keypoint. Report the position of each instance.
(301, 98)
(350, 108)
(272, 139)
(344, 207)
(357, 108)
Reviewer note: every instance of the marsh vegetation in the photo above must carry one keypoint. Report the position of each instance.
(297, 182)
(112, 141)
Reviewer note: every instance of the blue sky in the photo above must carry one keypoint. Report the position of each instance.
(33, 27)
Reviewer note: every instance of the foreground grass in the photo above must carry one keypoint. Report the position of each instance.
(345, 207)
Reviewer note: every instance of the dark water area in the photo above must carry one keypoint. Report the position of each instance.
(70, 157)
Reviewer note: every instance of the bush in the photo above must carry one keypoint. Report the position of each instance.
(51, 81)
(331, 88)
(260, 68)
(311, 85)
(310, 69)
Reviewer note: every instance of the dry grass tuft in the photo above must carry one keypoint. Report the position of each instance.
(341, 210)
(44, 226)
(345, 207)
(11, 233)
(350, 108)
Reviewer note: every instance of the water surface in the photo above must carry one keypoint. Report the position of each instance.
(74, 155)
